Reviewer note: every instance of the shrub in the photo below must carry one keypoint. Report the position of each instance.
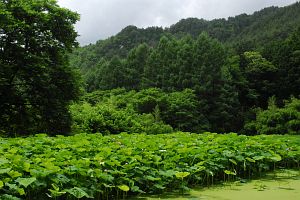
(107, 119)
(276, 120)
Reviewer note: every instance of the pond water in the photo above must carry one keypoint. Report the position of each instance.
(281, 185)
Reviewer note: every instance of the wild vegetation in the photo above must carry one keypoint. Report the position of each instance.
(130, 114)
(225, 82)
(225, 90)
(36, 83)
(108, 167)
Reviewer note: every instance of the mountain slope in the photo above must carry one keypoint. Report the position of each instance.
(243, 32)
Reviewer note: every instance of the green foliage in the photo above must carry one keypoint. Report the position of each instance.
(176, 65)
(103, 167)
(181, 110)
(182, 175)
(135, 64)
(25, 181)
(217, 98)
(260, 75)
(88, 57)
(77, 192)
(110, 117)
(36, 83)
(242, 33)
(286, 55)
(151, 108)
(170, 65)
(258, 58)
(124, 188)
(276, 120)
(182, 76)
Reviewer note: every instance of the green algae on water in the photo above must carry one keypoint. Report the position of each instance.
(280, 185)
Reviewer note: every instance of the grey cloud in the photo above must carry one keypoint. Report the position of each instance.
(103, 18)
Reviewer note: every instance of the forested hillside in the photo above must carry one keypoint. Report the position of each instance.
(243, 33)
(232, 67)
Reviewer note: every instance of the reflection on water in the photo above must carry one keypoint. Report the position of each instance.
(281, 185)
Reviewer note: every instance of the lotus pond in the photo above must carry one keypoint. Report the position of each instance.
(283, 184)
(111, 167)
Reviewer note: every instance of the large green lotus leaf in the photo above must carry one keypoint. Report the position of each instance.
(25, 181)
(124, 188)
(26, 166)
(13, 187)
(14, 174)
(136, 189)
(8, 197)
(182, 174)
(229, 172)
(21, 191)
(3, 161)
(77, 192)
(4, 171)
(233, 161)
(276, 158)
(151, 178)
(168, 173)
(250, 159)
(258, 158)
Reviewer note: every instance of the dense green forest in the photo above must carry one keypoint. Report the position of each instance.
(148, 110)
(196, 75)
(232, 68)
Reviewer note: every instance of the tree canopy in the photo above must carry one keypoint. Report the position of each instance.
(228, 85)
(36, 83)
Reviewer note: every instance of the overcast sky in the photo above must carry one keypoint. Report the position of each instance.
(101, 19)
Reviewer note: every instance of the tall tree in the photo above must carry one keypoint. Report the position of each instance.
(288, 61)
(112, 74)
(261, 76)
(184, 63)
(135, 65)
(36, 84)
(217, 99)
(161, 70)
